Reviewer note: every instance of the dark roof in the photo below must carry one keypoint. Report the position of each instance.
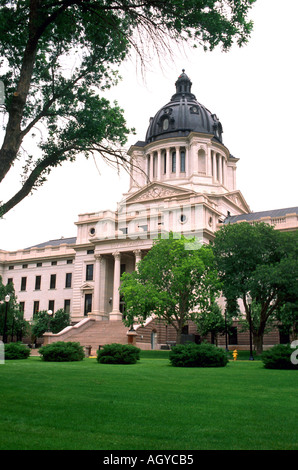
(140, 143)
(182, 115)
(258, 215)
(58, 242)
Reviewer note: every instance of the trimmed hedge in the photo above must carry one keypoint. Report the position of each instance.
(16, 351)
(198, 355)
(118, 354)
(279, 357)
(62, 352)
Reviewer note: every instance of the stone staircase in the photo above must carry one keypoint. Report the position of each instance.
(91, 333)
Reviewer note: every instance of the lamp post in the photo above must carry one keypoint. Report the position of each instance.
(7, 299)
(249, 302)
(226, 330)
(50, 313)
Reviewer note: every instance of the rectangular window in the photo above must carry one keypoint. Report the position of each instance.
(38, 265)
(37, 282)
(54, 263)
(25, 266)
(23, 283)
(67, 305)
(35, 308)
(69, 261)
(53, 281)
(89, 272)
(88, 304)
(10, 280)
(182, 161)
(10, 268)
(173, 162)
(68, 279)
(51, 305)
(90, 252)
(164, 163)
(22, 306)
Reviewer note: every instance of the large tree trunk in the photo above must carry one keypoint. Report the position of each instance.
(258, 342)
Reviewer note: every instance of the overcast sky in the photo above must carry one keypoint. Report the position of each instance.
(252, 90)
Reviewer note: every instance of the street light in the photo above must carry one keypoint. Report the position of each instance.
(7, 299)
(249, 302)
(226, 330)
(50, 313)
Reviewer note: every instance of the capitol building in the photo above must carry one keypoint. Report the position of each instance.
(182, 179)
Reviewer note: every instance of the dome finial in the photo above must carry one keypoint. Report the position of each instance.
(183, 84)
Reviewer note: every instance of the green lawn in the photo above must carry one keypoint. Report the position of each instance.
(150, 406)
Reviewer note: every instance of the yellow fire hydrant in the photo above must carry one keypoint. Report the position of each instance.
(235, 354)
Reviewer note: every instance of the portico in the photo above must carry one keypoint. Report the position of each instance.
(103, 290)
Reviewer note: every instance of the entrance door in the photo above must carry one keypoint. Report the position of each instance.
(153, 339)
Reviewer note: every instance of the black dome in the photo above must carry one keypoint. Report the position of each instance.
(182, 115)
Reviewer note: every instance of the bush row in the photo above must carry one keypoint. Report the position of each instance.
(188, 355)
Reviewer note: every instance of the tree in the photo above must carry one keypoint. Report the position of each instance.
(12, 321)
(213, 321)
(57, 57)
(54, 323)
(171, 282)
(260, 262)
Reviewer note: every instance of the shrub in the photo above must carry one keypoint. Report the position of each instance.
(16, 351)
(118, 354)
(62, 352)
(198, 355)
(279, 357)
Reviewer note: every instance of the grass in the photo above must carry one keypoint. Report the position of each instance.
(149, 406)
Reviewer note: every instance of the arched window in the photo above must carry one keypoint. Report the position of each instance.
(154, 166)
(202, 162)
(174, 162)
(164, 163)
(165, 124)
(182, 161)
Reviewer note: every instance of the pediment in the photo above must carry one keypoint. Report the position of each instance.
(155, 191)
(234, 197)
(87, 286)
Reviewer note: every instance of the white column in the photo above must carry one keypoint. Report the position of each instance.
(209, 162)
(214, 166)
(116, 314)
(186, 163)
(95, 309)
(220, 168)
(224, 172)
(168, 169)
(151, 167)
(158, 170)
(102, 290)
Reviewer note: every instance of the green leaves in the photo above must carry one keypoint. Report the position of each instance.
(171, 282)
(260, 261)
(55, 54)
